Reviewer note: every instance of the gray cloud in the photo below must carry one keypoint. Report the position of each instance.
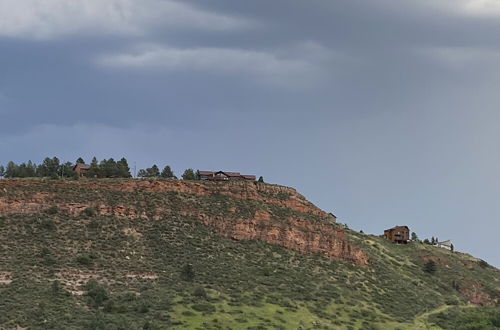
(57, 18)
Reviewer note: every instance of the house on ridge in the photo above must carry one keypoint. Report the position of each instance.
(223, 176)
(445, 245)
(81, 168)
(398, 234)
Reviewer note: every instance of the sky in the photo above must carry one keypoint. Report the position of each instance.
(384, 112)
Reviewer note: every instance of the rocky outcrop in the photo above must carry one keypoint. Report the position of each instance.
(295, 232)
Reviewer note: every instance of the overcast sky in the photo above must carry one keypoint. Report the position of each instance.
(384, 112)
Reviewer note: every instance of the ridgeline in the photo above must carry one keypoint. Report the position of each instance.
(163, 254)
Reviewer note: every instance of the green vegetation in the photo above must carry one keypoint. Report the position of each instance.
(166, 269)
(463, 318)
(151, 172)
(430, 267)
(189, 174)
(53, 168)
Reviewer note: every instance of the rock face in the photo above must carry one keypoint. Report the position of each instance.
(275, 214)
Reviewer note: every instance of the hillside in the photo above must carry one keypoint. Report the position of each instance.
(156, 254)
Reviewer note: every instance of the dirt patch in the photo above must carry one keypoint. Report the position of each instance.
(74, 279)
(143, 276)
(5, 277)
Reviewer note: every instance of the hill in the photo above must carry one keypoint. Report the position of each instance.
(155, 254)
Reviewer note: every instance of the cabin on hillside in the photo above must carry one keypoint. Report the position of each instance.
(445, 245)
(398, 234)
(81, 168)
(223, 176)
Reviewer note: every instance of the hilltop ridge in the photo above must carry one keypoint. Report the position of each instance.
(272, 213)
(161, 254)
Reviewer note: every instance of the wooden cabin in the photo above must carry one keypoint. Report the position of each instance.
(398, 234)
(81, 168)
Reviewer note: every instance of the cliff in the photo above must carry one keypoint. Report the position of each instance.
(238, 210)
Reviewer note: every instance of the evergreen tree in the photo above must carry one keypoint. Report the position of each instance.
(123, 168)
(80, 160)
(26, 170)
(452, 248)
(433, 240)
(167, 173)
(150, 172)
(94, 170)
(2, 171)
(261, 179)
(189, 174)
(155, 171)
(49, 167)
(108, 168)
(414, 237)
(66, 170)
(11, 170)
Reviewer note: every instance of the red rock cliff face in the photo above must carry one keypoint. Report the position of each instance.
(294, 232)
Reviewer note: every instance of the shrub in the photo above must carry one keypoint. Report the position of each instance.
(52, 210)
(483, 264)
(89, 212)
(187, 273)
(204, 307)
(96, 292)
(86, 259)
(48, 224)
(430, 267)
(200, 293)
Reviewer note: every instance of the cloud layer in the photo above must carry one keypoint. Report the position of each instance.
(46, 19)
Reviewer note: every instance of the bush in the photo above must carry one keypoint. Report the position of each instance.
(430, 267)
(89, 212)
(200, 293)
(187, 273)
(483, 264)
(96, 292)
(48, 224)
(52, 210)
(204, 307)
(86, 259)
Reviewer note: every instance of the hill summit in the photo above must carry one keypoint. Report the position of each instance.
(126, 253)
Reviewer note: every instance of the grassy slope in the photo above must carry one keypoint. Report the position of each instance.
(236, 285)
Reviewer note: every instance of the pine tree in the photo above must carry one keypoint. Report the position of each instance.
(2, 171)
(154, 171)
(94, 171)
(167, 173)
(123, 168)
(189, 174)
(414, 237)
(261, 179)
(80, 160)
(12, 170)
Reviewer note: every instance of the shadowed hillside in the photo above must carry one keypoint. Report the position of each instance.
(139, 254)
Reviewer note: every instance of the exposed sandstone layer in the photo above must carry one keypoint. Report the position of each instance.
(293, 232)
